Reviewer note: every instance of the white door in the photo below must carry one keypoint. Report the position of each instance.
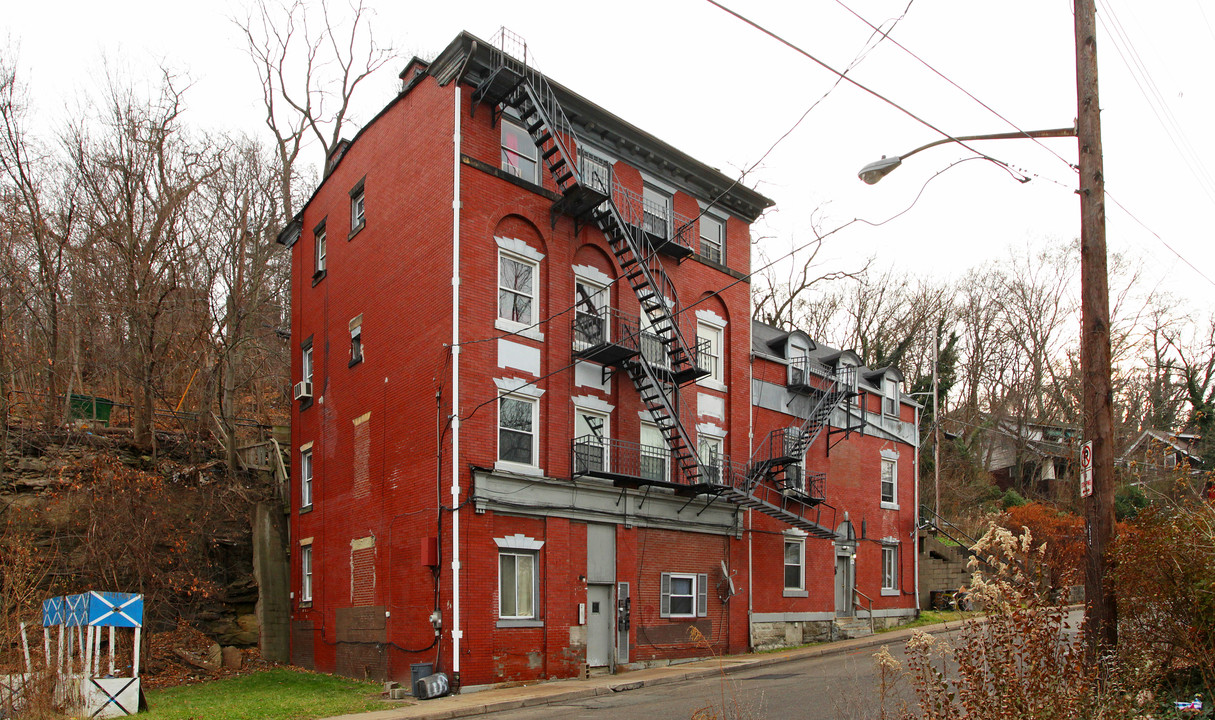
(600, 623)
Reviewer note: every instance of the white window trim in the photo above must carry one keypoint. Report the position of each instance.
(511, 120)
(307, 570)
(523, 389)
(306, 364)
(700, 590)
(320, 239)
(592, 275)
(358, 208)
(356, 334)
(666, 458)
(519, 251)
(532, 468)
(889, 383)
(721, 250)
(709, 381)
(516, 620)
(800, 539)
(519, 541)
(892, 545)
(593, 404)
(892, 458)
(306, 478)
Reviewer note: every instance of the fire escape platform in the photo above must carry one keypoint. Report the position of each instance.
(612, 354)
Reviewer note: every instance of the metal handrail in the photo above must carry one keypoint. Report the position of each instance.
(857, 605)
(605, 325)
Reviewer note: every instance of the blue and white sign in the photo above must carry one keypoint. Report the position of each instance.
(115, 609)
(52, 611)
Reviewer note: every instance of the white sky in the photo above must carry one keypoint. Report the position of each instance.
(722, 92)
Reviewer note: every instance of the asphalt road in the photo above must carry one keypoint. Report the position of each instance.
(840, 687)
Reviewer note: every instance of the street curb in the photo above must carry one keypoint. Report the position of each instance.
(725, 665)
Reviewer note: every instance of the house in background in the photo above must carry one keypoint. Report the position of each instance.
(1159, 454)
(1031, 457)
(523, 367)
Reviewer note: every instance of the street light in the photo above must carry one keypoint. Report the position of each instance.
(879, 169)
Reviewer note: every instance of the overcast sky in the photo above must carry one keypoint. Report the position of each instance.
(723, 92)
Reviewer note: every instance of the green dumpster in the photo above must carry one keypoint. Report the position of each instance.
(93, 409)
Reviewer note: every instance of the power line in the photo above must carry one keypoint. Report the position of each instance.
(1154, 234)
(964, 91)
(844, 77)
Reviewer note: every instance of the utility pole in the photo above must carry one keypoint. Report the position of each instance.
(936, 423)
(1100, 607)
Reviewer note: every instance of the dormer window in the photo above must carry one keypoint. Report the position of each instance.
(890, 396)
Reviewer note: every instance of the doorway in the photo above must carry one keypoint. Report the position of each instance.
(600, 624)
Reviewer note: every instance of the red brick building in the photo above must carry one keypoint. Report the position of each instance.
(523, 367)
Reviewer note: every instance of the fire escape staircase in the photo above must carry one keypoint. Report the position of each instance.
(512, 83)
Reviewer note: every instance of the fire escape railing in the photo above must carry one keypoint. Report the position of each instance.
(529, 93)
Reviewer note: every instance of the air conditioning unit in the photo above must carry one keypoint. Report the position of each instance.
(303, 390)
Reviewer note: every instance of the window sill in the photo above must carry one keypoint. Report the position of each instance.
(890, 506)
(515, 468)
(318, 276)
(710, 384)
(355, 361)
(527, 331)
(355, 230)
(520, 623)
(890, 592)
(306, 509)
(796, 593)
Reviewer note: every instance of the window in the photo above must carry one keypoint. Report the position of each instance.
(710, 355)
(656, 212)
(358, 208)
(306, 363)
(654, 455)
(795, 557)
(712, 239)
(517, 430)
(890, 568)
(519, 154)
(591, 326)
(890, 399)
(516, 584)
(889, 482)
(684, 595)
(306, 477)
(306, 573)
(319, 245)
(711, 465)
(590, 434)
(356, 340)
(654, 345)
(516, 289)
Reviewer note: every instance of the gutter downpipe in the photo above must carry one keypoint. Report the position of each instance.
(915, 530)
(750, 519)
(456, 633)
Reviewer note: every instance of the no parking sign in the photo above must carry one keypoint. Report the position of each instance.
(1086, 469)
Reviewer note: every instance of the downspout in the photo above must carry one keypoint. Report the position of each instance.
(456, 633)
(915, 530)
(750, 519)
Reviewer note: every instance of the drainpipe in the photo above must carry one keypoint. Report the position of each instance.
(915, 530)
(456, 633)
(750, 521)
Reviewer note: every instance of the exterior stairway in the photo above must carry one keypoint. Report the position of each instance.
(586, 190)
(846, 628)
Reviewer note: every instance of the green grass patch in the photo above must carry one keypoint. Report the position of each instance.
(934, 617)
(278, 694)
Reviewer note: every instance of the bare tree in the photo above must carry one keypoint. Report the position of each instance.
(41, 216)
(309, 65)
(137, 172)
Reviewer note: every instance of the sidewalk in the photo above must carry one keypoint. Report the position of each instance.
(543, 693)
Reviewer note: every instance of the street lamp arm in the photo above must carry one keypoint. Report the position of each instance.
(879, 169)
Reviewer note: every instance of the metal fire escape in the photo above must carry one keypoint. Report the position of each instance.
(587, 194)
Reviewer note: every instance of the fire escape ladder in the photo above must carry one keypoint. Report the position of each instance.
(513, 82)
(839, 388)
(661, 399)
